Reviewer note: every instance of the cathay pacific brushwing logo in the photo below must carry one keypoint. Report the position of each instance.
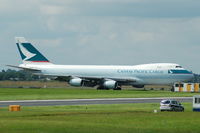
(26, 53)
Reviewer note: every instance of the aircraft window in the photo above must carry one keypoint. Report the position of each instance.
(178, 66)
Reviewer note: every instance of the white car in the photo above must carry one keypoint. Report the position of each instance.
(171, 105)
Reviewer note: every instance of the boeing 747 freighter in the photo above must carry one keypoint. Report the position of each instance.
(102, 76)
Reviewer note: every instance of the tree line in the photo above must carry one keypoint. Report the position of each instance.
(19, 75)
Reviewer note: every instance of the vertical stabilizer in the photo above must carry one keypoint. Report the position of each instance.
(28, 52)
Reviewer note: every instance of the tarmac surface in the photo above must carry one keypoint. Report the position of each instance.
(90, 101)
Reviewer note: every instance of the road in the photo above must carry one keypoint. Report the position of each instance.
(90, 101)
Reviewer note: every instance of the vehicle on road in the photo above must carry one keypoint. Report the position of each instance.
(171, 105)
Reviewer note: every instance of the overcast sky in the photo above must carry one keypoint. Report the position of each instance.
(103, 32)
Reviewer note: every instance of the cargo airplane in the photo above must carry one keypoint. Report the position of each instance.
(102, 76)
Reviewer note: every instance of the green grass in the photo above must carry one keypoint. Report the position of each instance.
(78, 93)
(116, 118)
(18, 94)
(137, 118)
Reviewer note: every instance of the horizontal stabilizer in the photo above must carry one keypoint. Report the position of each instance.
(24, 68)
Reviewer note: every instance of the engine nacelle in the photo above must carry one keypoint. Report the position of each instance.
(110, 84)
(76, 82)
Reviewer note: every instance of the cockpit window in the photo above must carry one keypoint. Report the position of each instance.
(178, 66)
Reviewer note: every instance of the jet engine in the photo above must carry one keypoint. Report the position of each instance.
(110, 84)
(76, 82)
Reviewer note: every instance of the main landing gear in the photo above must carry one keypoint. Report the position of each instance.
(104, 88)
(117, 88)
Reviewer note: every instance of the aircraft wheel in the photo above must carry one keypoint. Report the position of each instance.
(118, 88)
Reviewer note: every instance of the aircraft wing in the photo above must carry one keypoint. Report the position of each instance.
(97, 79)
